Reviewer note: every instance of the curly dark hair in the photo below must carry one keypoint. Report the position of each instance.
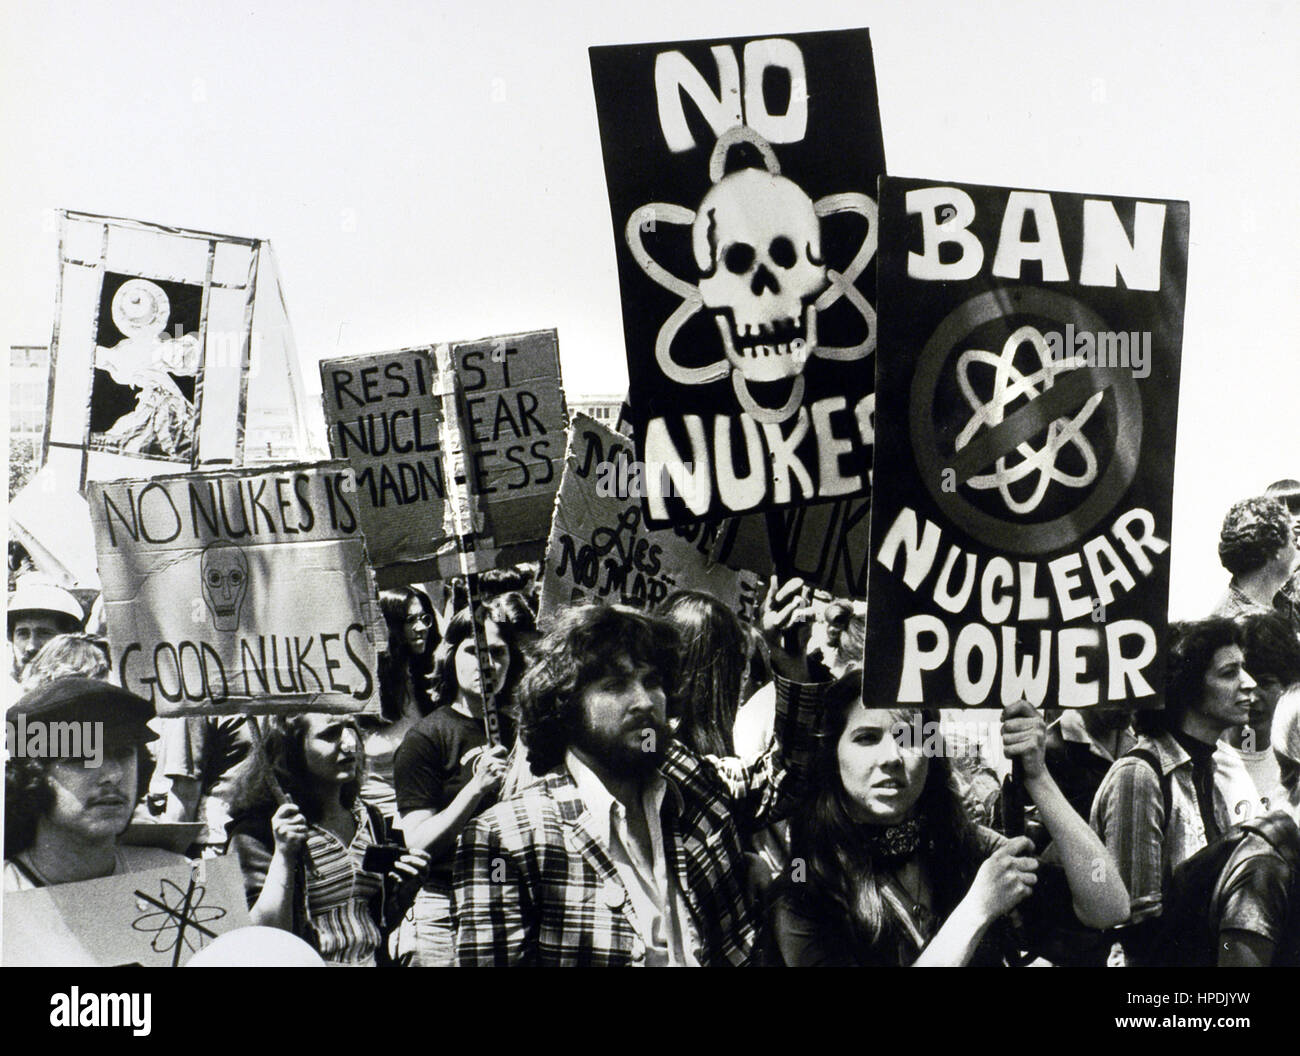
(1272, 650)
(586, 643)
(1191, 645)
(841, 887)
(1253, 532)
(28, 796)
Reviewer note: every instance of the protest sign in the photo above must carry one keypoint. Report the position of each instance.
(239, 591)
(741, 177)
(825, 544)
(384, 417)
(157, 331)
(1029, 356)
(156, 918)
(512, 421)
(600, 549)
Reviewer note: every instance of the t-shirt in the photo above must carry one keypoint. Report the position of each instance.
(1258, 893)
(428, 771)
(1239, 795)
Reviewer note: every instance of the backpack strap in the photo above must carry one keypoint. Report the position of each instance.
(1153, 761)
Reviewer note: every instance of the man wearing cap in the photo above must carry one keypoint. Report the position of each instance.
(37, 612)
(77, 766)
(1255, 545)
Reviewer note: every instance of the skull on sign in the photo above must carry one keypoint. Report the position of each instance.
(757, 242)
(224, 571)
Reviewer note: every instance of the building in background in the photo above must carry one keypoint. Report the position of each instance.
(603, 408)
(29, 379)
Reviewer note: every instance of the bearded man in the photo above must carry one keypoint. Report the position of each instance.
(628, 849)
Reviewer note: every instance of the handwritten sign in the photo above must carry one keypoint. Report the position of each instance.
(742, 177)
(156, 918)
(512, 422)
(600, 549)
(238, 591)
(385, 419)
(1029, 358)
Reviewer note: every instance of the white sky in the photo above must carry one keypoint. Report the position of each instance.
(432, 170)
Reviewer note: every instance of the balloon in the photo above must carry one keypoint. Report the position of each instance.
(256, 947)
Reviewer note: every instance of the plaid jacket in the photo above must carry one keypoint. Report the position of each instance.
(533, 886)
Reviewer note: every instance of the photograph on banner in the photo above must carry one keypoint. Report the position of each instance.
(1029, 355)
(239, 591)
(512, 419)
(601, 550)
(155, 918)
(153, 328)
(384, 418)
(825, 544)
(742, 176)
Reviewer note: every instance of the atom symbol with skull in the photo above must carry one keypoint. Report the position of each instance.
(756, 240)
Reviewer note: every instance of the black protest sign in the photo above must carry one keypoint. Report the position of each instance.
(1028, 393)
(239, 591)
(512, 422)
(600, 549)
(385, 418)
(824, 544)
(741, 177)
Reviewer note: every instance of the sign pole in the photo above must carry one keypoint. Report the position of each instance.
(461, 508)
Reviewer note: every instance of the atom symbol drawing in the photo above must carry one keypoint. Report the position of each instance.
(177, 916)
(1009, 385)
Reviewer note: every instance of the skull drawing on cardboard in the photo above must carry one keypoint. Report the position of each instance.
(224, 572)
(756, 240)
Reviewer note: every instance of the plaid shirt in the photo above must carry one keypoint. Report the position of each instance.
(533, 885)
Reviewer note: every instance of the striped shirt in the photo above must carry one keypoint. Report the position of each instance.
(340, 893)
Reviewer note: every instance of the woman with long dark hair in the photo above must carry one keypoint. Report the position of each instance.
(405, 669)
(887, 868)
(304, 862)
(445, 771)
(715, 654)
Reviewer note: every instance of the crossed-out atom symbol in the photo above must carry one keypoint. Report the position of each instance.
(1010, 385)
(177, 911)
(997, 432)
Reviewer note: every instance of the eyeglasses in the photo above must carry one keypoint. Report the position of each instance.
(422, 617)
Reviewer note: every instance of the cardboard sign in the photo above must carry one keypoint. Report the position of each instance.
(239, 591)
(385, 418)
(741, 178)
(600, 549)
(149, 359)
(157, 918)
(1028, 392)
(512, 422)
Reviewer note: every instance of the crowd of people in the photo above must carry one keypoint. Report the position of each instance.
(682, 788)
